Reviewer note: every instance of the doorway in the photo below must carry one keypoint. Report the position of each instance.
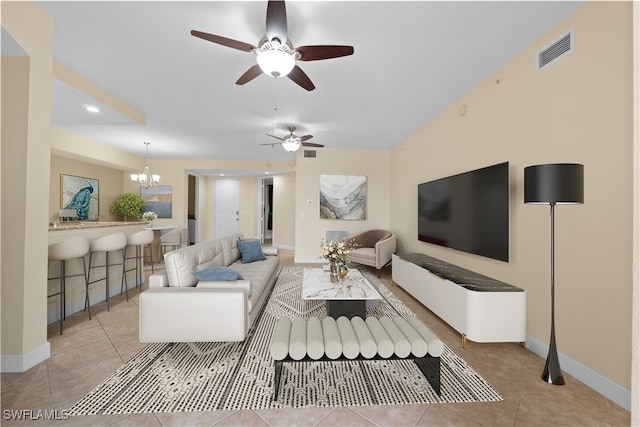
(192, 208)
(265, 203)
(226, 220)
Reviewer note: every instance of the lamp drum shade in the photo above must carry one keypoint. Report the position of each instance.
(561, 183)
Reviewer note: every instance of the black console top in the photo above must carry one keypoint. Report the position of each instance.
(458, 275)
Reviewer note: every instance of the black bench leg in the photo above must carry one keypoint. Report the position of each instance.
(430, 368)
(276, 378)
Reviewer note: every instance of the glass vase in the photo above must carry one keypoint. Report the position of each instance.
(333, 269)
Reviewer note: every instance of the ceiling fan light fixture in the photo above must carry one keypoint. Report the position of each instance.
(291, 144)
(275, 59)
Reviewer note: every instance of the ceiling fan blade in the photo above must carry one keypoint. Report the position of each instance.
(306, 138)
(277, 21)
(299, 76)
(315, 53)
(249, 75)
(235, 44)
(273, 144)
(276, 137)
(311, 144)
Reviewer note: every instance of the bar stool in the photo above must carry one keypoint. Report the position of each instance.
(139, 240)
(174, 239)
(106, 244)
(64, 251)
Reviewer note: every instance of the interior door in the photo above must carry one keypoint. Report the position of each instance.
(226, 207)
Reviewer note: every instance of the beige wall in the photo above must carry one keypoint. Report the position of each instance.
(26, 143)
(576, 110)
(374, 164)
(284, 210)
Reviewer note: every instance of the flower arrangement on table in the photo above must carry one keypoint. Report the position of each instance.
(149, 216)
(337, 252)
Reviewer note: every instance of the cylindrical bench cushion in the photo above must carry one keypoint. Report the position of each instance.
(298, 339)
(418, 345)
(383, 341)
(280, 339)
(350, 347)
(401, 346)
(315, 340)
(368, 347)
(332, 342)
(435, 346)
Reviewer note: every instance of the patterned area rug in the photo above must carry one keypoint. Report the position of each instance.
(231, 376)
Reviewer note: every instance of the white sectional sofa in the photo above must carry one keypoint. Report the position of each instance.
(178, 307)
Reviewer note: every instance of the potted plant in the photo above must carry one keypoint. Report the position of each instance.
(128, 205)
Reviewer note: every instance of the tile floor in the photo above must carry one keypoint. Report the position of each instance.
(89, 351)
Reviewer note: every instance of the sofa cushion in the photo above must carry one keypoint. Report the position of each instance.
(215, 274)
(230, 248)
(251, 251)
(182, 262)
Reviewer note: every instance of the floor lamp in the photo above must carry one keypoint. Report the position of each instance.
(560, 183)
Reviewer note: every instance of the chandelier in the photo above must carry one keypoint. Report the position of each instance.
(145, 179)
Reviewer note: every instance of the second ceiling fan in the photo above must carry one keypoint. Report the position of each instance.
(276, 56)
(292, 142)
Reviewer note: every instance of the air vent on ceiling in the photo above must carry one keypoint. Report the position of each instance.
(563, 45)
(310, 153)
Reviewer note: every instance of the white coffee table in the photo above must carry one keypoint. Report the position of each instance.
(346, 297)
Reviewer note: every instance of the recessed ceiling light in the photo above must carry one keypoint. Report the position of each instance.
(92, 108)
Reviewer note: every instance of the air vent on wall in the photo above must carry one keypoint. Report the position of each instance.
(563, 45)
(310, 153)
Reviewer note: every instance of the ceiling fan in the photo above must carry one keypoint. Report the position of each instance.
(276, 56)
(292, 142)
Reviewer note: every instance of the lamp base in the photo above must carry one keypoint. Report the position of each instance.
(552, 373)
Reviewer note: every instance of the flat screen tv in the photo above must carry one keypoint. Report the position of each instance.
(468, 212)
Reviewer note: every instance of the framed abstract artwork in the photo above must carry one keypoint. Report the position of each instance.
(158, 199)
(81, 194)
(343, 197)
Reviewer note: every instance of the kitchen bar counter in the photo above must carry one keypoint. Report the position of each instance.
(79, 225)
(75, 289)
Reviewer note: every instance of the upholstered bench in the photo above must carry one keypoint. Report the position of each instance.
(329, 339)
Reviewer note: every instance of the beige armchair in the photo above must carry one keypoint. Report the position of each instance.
(373, 248)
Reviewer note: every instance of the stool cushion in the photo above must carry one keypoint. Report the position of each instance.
(143, 237)
(75, 247)
(111, 242)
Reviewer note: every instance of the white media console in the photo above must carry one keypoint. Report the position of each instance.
(482, 309)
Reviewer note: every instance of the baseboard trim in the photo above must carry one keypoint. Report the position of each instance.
(281, 246)
(609, 389)
(10, 363)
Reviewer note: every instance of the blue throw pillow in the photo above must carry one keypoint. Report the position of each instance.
(251, 251)
(216, 274)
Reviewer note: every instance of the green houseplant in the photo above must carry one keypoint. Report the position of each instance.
(128, 205)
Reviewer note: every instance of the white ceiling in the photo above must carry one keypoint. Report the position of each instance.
(411, 60)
